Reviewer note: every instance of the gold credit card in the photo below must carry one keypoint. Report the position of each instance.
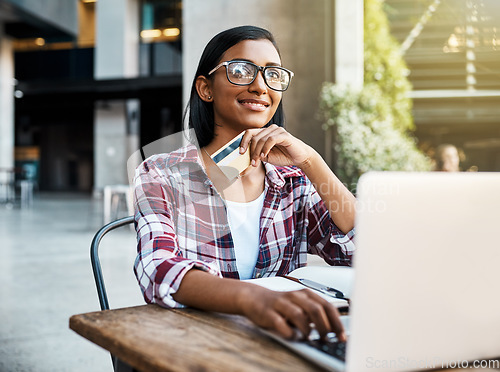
(229, 159)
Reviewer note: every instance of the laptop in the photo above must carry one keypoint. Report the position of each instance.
(427, 275)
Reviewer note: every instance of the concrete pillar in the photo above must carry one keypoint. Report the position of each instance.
(6, 102)
(117, 39)
(305, 32)
(348, 42)
(109, 143)
(344, 51)
(116, 123)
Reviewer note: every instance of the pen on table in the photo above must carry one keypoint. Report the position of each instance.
(330, 291)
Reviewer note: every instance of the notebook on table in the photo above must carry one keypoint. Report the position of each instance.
(425, 293)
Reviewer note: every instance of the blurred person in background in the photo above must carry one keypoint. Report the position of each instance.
(447, 158)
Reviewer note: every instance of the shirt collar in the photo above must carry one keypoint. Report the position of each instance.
(186, 154)
(277, 176)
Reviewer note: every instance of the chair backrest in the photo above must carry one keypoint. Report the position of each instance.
(96, 263)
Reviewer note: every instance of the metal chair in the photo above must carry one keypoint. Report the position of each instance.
(118, 365)
(96, 263)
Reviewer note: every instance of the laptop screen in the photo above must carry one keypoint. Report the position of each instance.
(427, 265)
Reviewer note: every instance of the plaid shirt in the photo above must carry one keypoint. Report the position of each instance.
(181, 223)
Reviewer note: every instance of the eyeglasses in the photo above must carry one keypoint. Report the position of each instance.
(244, 73)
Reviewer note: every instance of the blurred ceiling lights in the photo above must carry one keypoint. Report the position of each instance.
(167, 33)
(149, 34)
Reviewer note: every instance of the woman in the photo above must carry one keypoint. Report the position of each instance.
(192, 250)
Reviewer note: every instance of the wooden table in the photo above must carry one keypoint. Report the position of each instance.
(151, 338)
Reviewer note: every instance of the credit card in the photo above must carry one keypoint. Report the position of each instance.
(229, 159)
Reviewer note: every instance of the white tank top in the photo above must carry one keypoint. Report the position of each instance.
(244, 222)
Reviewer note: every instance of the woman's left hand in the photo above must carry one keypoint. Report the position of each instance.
(276, 146)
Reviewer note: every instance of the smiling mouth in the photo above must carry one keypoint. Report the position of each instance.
(254, 104)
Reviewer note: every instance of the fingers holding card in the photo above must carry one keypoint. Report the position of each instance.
(229, 159)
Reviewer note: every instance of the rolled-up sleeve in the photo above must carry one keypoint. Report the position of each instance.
(160, 264)
(325, 239)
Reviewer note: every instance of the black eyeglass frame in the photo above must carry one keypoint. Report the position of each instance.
(259, 68)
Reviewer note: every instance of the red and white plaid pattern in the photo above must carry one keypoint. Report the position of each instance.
(181, 224)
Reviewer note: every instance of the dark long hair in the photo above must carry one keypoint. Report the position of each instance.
(201, 113)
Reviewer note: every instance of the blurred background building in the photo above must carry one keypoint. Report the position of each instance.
(82, 90)
(452, 48)
(85, 83)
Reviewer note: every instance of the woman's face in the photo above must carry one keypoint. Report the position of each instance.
(237, 108)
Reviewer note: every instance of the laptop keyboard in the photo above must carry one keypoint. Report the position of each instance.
(336, 349)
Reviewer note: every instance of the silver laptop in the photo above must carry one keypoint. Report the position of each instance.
(426, 292)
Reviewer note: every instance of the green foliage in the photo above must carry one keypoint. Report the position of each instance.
(372, 124)
(383, 64)
(366, 137)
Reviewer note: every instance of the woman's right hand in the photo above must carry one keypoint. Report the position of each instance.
(283, 311)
